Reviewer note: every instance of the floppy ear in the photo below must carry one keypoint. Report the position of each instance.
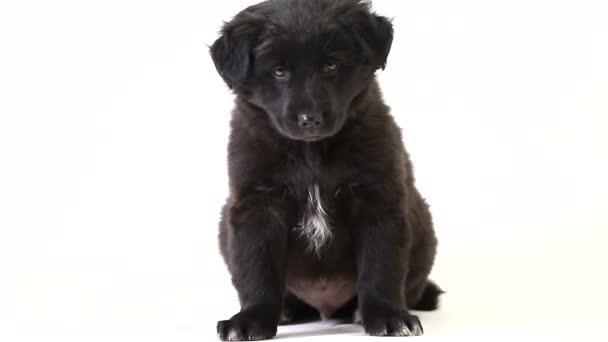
(373, 33)
(231, 52)
(383, 39)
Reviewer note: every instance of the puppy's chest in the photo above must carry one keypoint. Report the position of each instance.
(316, 216)
(316, 181)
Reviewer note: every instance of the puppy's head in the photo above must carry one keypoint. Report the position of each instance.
(303, 61)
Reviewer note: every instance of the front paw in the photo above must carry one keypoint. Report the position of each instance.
(246, 327)
(403, 324)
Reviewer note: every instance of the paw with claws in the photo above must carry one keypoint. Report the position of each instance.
(246, 326)
(403, 324)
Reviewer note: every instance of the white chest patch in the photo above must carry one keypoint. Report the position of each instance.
(315, 223)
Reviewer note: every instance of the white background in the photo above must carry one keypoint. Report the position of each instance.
(113, 126)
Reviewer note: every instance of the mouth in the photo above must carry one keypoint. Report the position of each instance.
(306, 137)
(313, 135)
(313, 138)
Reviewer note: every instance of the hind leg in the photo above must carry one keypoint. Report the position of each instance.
(420, 293)
(296, 311)
(427, 297)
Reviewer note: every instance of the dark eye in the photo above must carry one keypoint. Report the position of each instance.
(279, 72)
(330, 67)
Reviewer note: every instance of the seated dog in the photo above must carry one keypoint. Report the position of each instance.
(323, 218)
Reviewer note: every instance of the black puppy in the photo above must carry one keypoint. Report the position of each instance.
(323, 216)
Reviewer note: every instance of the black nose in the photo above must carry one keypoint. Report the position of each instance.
(310, 120)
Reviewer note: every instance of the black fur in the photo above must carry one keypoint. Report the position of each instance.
(429, 300)
(309, 115)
